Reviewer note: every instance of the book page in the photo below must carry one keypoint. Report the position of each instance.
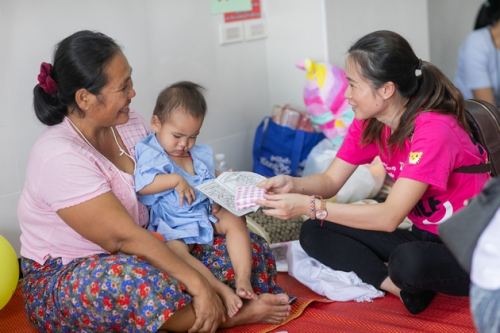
(233, 180)
(223, 197)
(223, 189)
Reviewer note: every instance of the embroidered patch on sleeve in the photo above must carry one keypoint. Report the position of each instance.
(415, 157)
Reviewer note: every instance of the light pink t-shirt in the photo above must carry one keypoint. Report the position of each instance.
(64, 171)
(439, 146)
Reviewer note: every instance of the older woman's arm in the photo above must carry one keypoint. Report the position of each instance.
(104, 221)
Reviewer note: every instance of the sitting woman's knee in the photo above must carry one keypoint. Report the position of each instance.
(406, 264)
(308, 236)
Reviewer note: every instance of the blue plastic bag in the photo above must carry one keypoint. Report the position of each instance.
(280, 150)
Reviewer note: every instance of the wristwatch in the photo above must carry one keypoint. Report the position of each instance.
(321, 213)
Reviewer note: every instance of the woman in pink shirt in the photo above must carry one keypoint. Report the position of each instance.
(411, 115)
(88, 262)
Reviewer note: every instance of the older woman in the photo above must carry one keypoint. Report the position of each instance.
(88, 262)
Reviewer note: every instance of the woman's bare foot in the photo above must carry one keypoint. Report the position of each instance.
(230, 300)
(266, 308)
(244, 289)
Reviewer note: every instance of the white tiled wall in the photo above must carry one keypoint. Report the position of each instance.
(409, 18)
(164, 41)
(444, 51)
(170, 40)
(303, 37)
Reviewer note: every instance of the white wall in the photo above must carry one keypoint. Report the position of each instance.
(450, 21)
(164, 41)
(296, 31)
(170, 40)
(349, 20)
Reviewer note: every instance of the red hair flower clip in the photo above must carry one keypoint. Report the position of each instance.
(45, 81)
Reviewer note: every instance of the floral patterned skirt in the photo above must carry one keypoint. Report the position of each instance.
(123, 293)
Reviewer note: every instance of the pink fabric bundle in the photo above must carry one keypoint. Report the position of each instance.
(246, 195)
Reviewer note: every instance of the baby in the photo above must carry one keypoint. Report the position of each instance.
(169, 166)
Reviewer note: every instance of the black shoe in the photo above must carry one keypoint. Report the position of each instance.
(418, 302)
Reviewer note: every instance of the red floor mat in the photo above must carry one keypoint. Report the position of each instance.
(309, 314)
(13, 319)
(444, 314)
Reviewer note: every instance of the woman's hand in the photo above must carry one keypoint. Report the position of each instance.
(278, 184)
(208, 310)
(185, 190)
(285, 206)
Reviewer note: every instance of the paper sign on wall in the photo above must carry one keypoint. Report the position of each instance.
(225, 6)
(247, 15)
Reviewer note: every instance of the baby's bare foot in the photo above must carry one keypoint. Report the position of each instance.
(230, 300)
(244, 289)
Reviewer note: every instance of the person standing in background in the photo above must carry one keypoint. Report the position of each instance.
(478, 69)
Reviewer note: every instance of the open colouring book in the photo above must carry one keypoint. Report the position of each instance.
(223, 189)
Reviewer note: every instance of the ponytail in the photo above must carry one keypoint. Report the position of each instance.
(435, 93)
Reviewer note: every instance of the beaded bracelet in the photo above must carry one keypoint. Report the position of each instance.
(312, 206)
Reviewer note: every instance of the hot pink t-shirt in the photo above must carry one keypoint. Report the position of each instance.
(64, 171)
(438, 146)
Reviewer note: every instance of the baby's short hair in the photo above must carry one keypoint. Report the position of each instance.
(186, 95)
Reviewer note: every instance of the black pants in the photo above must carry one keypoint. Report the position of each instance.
(417, 260)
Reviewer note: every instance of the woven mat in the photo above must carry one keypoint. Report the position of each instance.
(278, 230)
(388, 315)
(305, 298)
(13, 319)
(310, 314)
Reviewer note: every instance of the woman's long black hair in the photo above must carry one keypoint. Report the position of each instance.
(384, 56)
(79, 62)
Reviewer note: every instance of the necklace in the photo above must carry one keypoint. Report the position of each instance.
(122, 151)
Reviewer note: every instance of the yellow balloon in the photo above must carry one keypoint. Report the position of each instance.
(9, 271)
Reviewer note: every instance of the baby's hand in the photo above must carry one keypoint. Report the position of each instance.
(215, 208)
(218, 173)
(185, 190)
